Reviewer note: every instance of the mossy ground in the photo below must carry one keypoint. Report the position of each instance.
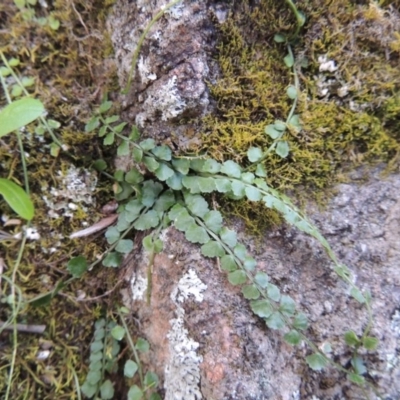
(339, 132)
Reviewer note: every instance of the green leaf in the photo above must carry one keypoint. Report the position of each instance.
(240, 251)
(370, 343)
(93, 377)
(13, 62)
(289, 60)
(358, 365)
(107, 390)
(4, 71)
(111, 119)
(147, 144)
(291, 91)
(196, 234)
(231, 168)
(273, 292)
(17, 198)
(19, 113)
(112, 234)
(279, 38)
(356, 293)
(151, 190)
(211, 166)
(271, 131)
(103, 130)
(137, 154)
(27, 81)
(293, 337)
(151, 164)
(250, 292)
(175, 211)
(223, 185)
(238, 188)
(165, 201)
(109, 139)
(135, 393)
(133, 176)
(16, 91)
(197, 205)
(134, 135)
(175, 181)
(287, 306)
(300, 322)
(162, 152)
(295, 123)
(130, 369)
(132, 209)
(212, 249)
(351, 338)
(261, 278)
(262, 308)
(249, 263)
(124, 246)
(197, 164)
(92, 124)
(112, 259)
(192, 183)
(248, 177)
(105, 106)
(275, 321)
(237, 277)
(228, 236)
(213, 220)
(355, 378)
(183, 220)
(142, 345)
(151, 379)
(254, 154)
(317, 361)
(164, 172)
(282, 149)
(119, 127)
(228, 263)
(155, 396)
(147, 221)
(252, 193)
(118, 332)
(123, 148)
(181, 164)
(206, 185)
(88, 389)
(77, 266)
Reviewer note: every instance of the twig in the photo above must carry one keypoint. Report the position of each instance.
(23, 327)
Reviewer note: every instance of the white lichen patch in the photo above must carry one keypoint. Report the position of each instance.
(138, 287)
(145, 71)
(164, 100)
(182, 373)
(76, 187)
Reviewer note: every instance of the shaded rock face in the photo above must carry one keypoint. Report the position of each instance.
(207, 344)
(173, 66)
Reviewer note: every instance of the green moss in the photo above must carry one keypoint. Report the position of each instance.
(338, 133)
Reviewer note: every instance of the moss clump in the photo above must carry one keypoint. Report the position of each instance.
(341, 128)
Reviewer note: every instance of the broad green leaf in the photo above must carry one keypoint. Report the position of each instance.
(105, 106)
(192, 183)
(77, 266)
(147, 144)
(124, 220)
(96, 346)
(197, 205)
(293, 337)
(132, 209)
(165, 201)
(196, 234)
(295, 123)
(124, 246)
(289, 60)
(370, 343)
(250, 292)
(287, 306)
(17, 198)
(254, 154)
(113, 259)
(212, 249)
(135, 393)
(150, 192)
(130, 369)
(14, 62)
(282, 149)
(231, 168)
(118, 332)
(19, 113)
(252, 193)
(112, 234)
(142, 345)
(240, 251)
(211, 166)
(317, 361)
(151, 379)
(228, 263)
(147, 221)
(175, 211)
(206, 185)
(213, 220)
(223, 185)
(107, 390)
(260, 171)
(4, 71)
(183, 220)
(109, 139)
(262, 308)
(228, 236)
(291, 91)
(351, 338)
(164, 172)
(181, 164)
(175, 181)
(261, 278)
(162, 152)
(237, 277)
(123, 148)
(134, 176)
(151, 164)
(273, 292)
(275, 321)
(300, 322)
